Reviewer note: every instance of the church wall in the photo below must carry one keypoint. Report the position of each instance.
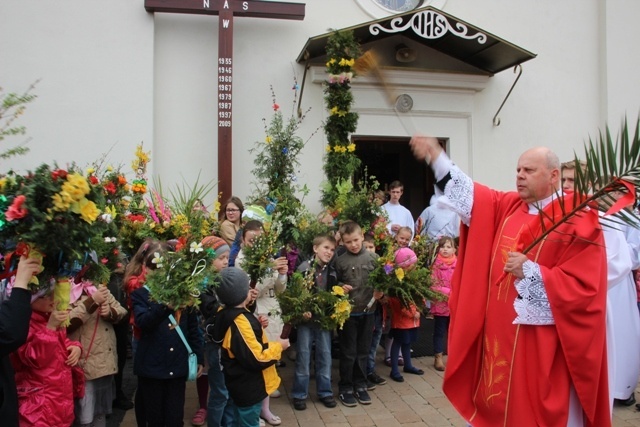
(95, 65)
(113, 74)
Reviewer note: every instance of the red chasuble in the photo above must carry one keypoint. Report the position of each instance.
(501, 374)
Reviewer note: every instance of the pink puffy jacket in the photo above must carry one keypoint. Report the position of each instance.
(43, 380)
(441, 274)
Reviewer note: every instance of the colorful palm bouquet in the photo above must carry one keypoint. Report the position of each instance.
(53, 211)
(180, 276)
(411, 286)
(329, 309)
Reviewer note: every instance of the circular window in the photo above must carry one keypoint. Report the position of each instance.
(400, 5)
(383, 8)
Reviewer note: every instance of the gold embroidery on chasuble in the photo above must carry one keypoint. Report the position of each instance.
(500, 335)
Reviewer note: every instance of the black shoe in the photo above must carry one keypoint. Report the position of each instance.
(347, 399)
(299, 404)
(397, 377)
(627, 402)
(328, 401)
(363, 397)
(376, 379)
(121, 402)
(370, 385)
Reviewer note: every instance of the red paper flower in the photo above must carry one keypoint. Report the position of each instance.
(276, 107)
(58, 173)
(93, 180)
(16, 211)
(110, 188)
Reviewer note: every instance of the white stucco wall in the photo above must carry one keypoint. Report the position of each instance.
(113, 75)
(94, 62)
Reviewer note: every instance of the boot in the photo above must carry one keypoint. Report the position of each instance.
(438, 363)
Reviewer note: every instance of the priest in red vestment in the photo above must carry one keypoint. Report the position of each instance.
(527, 343)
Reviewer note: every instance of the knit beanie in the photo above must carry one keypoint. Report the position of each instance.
(405, 257)
(234, 286)
(218, 244)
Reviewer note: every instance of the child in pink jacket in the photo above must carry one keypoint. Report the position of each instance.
(442, 272)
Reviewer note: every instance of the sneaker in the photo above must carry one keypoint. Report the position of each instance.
(375, 379)
(370, 385)
(363, 397)
(299, 404)
(347, 399)
(328, 401)
(200, 417)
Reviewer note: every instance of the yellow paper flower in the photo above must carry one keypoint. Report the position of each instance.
(3, 183)
(338, 290)
(87, 209)
(109, 168)
(351, 147)
(400, 273)
(61, 201)
(327, 148)
(76, 186)
(330, 62)
(216, 206)
(90, 171)
(334, 110)
(268, 139)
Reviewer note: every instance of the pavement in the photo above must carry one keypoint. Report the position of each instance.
(417, 402)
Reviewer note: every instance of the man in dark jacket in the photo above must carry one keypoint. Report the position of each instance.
(15, 313)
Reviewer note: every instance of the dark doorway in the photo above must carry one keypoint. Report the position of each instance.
(390, 159)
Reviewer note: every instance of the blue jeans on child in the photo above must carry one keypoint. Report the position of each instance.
(375, 341)
(220, 410)
(440, 326)
(306, 336)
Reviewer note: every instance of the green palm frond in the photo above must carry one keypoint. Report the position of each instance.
(612, 171)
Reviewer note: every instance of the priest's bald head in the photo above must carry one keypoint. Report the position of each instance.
(538, 174)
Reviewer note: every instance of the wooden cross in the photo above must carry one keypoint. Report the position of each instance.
(226, 9)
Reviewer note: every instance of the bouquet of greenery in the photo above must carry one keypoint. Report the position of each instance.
(411, 286)
(357, 203)
(328, 309)
(53, 211)
(180, 276)
(258, 258)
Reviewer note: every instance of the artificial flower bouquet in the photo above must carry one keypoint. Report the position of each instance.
(181, 275)
(411, 286)
(53, 211)
(329, 309)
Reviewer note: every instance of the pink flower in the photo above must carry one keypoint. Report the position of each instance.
(276, 107)
(16, 211)
(104, 260)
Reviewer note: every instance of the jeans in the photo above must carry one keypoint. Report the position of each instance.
(355, 342)
(440, 326)
(306, 337)
(375, 340)
(220, 412)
